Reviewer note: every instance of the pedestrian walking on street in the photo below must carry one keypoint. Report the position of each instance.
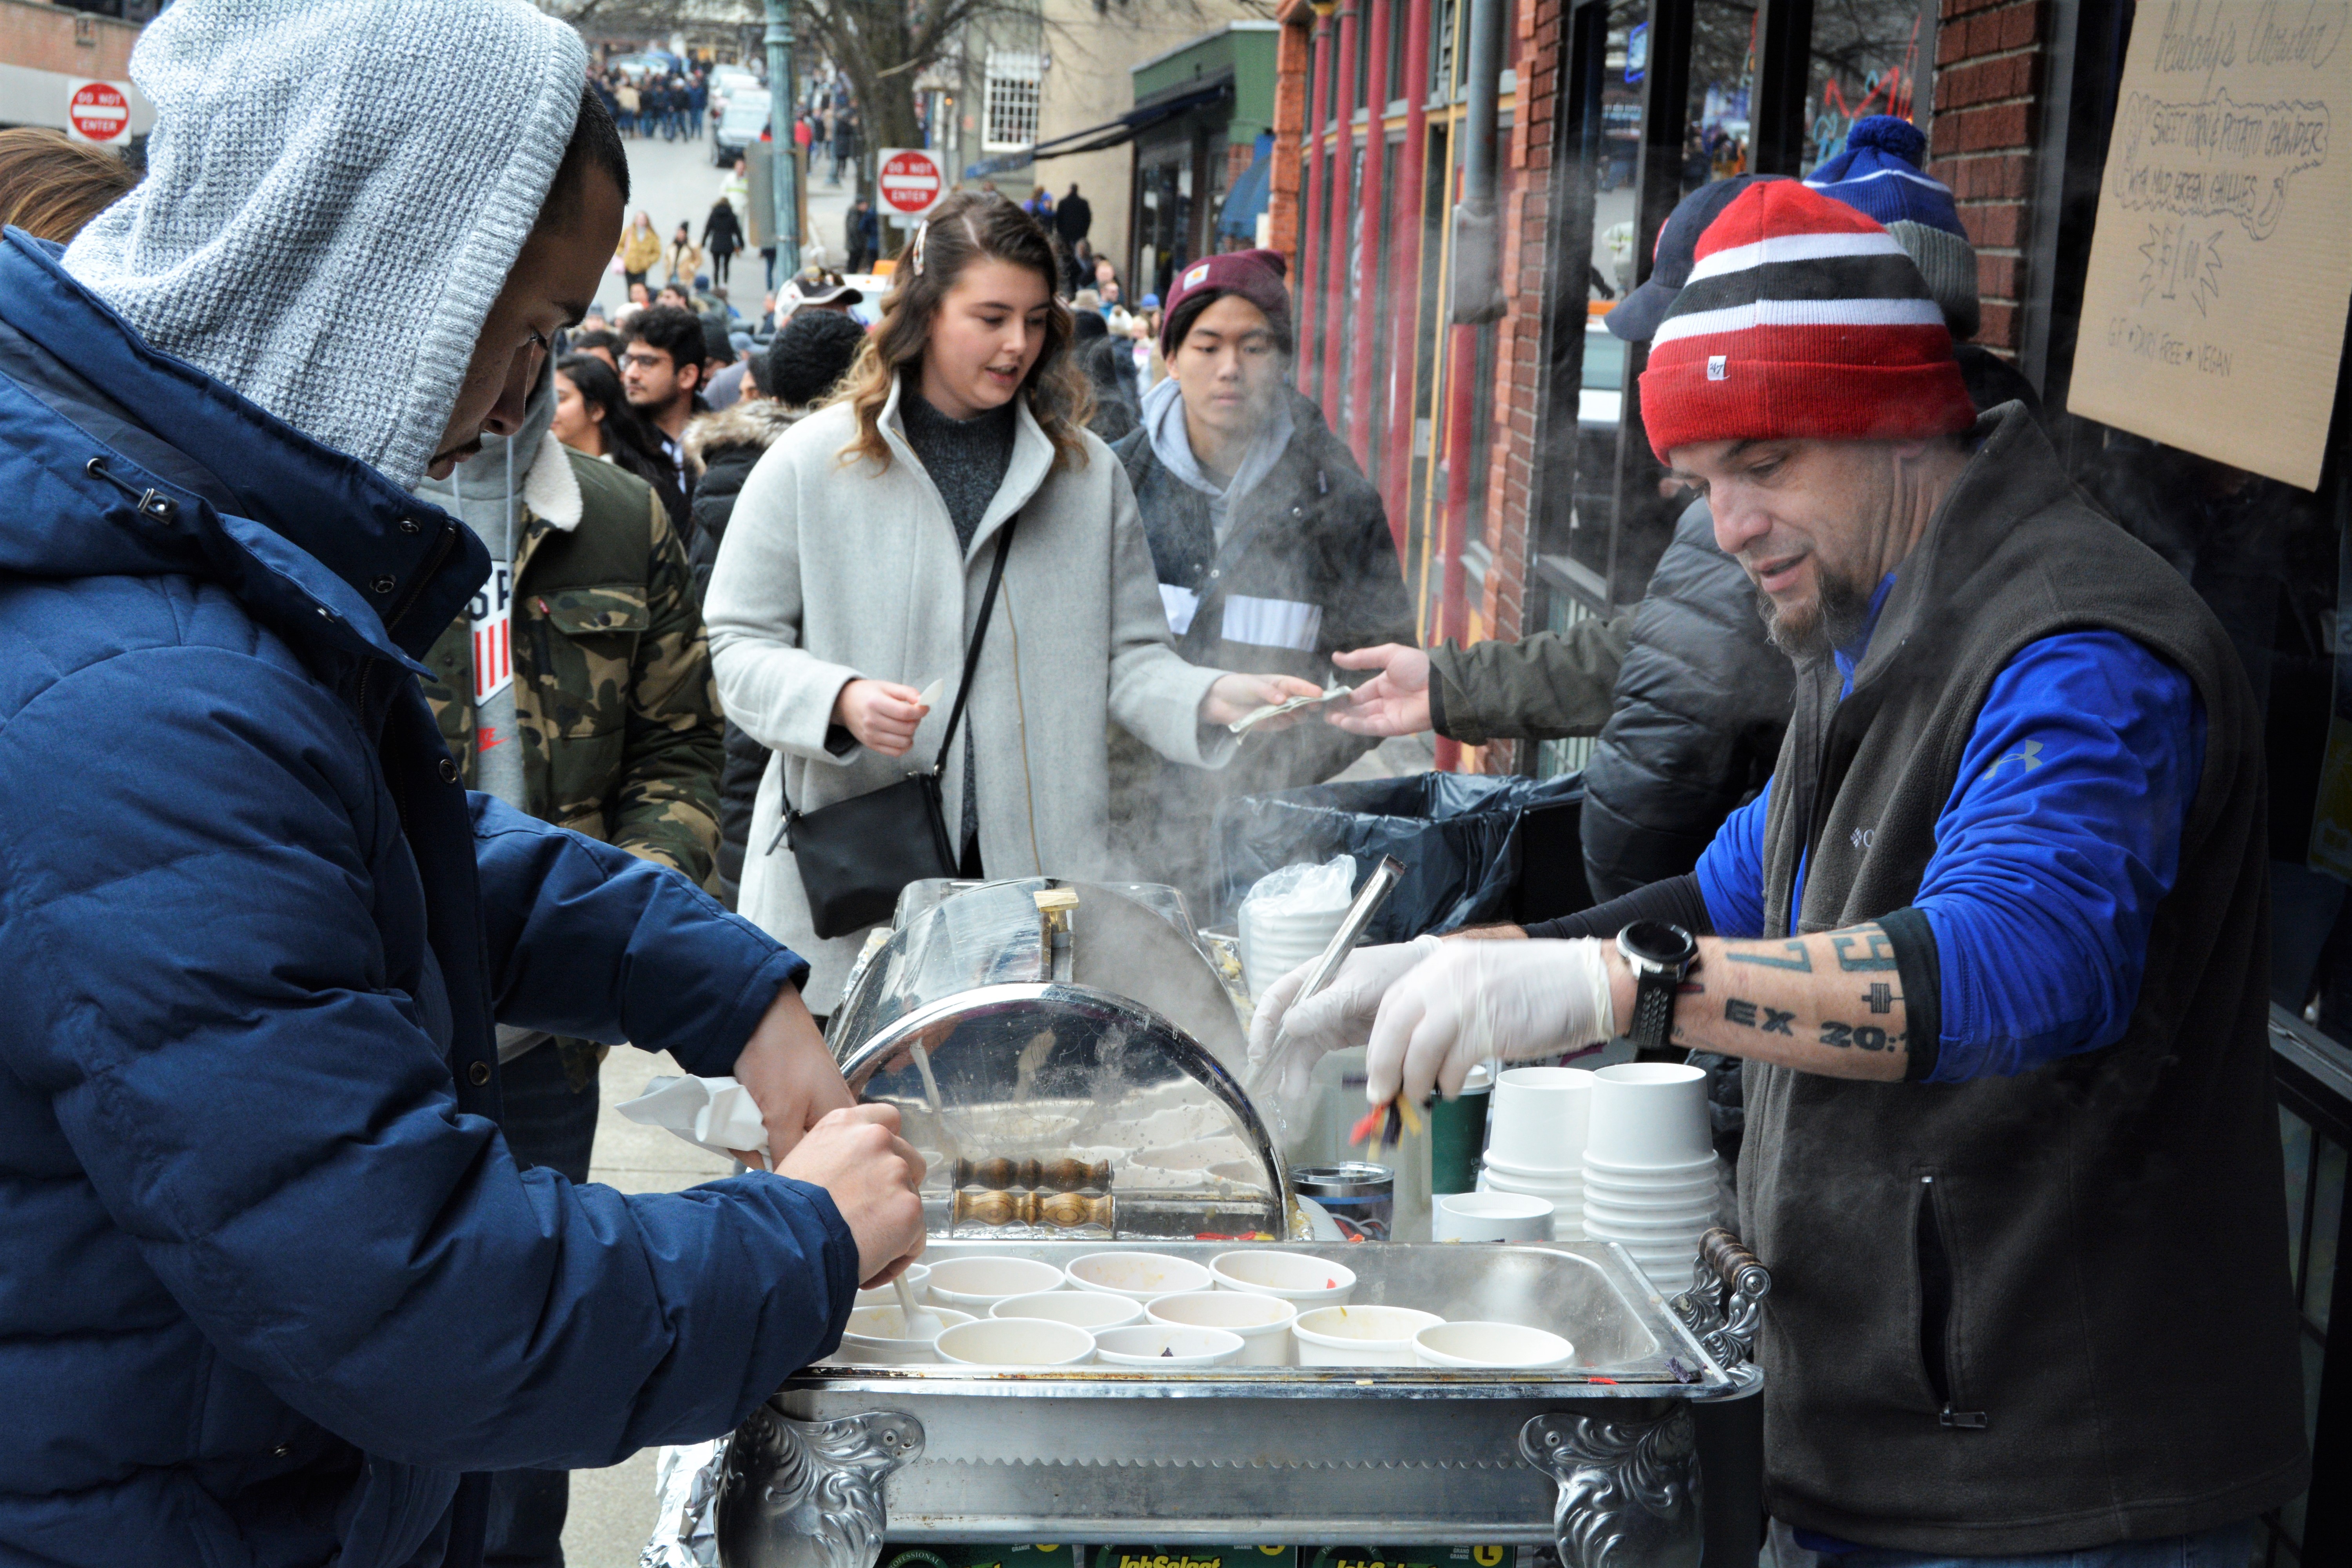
(957, 443)
(722, 237)
(682, 262)
(844, 141)
(593, 416)
(631, 103)
(639, 250)
(861, 236)
(798, 372)
(661, 371)
(1272, 550)
(1073, 217)
(348, 1271)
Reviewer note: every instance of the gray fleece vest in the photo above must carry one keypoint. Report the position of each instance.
(2049, 1311)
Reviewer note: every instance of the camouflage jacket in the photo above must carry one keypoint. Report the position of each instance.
(613, 697)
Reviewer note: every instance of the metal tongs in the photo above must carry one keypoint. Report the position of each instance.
(1368, 900)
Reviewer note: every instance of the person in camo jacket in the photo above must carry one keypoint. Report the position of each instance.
(577, 687)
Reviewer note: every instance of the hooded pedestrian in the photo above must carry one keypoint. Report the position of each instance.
(249, 1064)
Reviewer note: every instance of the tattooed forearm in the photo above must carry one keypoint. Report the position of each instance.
(1829, 1002)
(1789, 956)
(1865, 947)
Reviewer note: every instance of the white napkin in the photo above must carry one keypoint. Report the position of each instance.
(717, 1113)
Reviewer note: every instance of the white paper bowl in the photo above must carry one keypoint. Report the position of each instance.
(876, 1336)
(888, 1295)
(1491, 1217)
(1538, 1119)
(1608, 1170)
(1699, 1183)
(1137, 1276)
(1157, 1345)
(1094, 1310)
(976, 1284)
(1507, 1182)
(1262, 1321)
(1358, 1336)
(1294, 1277)
(1490, 1345)
(1648, 1114)
(1017, 1341)
(1699, 1216)
(1494, 1162)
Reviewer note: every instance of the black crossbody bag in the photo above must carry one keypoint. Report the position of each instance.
(857, 856)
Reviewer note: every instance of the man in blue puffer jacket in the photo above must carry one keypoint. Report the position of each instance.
(272, 1285)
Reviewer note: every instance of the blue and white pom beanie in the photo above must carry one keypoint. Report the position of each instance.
(319, 228)
(1881, 172)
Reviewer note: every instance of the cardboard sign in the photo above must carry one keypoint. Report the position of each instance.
(2213, 309)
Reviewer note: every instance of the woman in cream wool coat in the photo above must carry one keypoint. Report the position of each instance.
(854, 565)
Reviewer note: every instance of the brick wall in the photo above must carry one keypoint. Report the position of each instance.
(1293, 55)
(1990, 58)
(40, 37)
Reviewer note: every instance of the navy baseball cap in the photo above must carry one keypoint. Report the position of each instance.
(1636, 317)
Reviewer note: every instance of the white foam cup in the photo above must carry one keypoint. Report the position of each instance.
(1358, 1336)
(1017, 1342)
(1304, 1282)
(1137, 1276)
(976, 1284)
(1167, 1345)
(1490, 1345)
(1085, 1309)
(876, 1336)
(1649, 1114)
(1538, 1120)
(1491, 1217)
(888, 1295)
(1262, 1321)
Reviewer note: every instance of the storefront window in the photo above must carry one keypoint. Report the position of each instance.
(1717, 131)
(1867, 56)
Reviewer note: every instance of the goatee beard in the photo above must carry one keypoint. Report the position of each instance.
(1833, 622)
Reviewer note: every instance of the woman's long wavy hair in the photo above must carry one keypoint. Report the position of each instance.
(967, 227)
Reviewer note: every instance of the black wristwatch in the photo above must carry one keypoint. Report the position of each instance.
(1659, 954)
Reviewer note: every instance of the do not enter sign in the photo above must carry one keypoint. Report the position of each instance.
(912, 180)
(98, 111)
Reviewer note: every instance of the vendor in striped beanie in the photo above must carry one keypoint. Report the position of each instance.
(1803, 318)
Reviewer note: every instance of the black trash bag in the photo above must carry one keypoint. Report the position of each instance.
(1460, 836)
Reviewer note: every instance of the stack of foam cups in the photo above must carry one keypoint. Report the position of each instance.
(1536, 1141)
(1649, 1167)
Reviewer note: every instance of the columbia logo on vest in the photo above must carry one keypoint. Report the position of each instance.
(1864, 836)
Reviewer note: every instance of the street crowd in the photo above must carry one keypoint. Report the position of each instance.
(400, 708)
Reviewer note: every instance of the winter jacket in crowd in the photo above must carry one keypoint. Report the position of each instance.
(617, 714)
(830, 571)
(681, 263)
(640, 250)
(276, 1283)
(720, 450)
(722, 232)
(1307, 566)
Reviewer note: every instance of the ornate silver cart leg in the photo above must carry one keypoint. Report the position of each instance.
(1628, 1488)
(1725, 1306)
(808, 1494)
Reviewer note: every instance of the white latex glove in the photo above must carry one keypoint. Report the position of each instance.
(1338, 1017)
(1477, 1001)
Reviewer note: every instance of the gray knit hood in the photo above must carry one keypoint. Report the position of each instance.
(336, 190)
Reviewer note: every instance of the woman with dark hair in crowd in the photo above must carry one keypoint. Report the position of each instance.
(593, 416)
(861, 550)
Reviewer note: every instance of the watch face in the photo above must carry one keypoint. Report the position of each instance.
(1656, 942)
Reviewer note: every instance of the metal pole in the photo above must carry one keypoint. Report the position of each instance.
(782, 109)
(1362, 416)
(1313, 232)
(1333, 309)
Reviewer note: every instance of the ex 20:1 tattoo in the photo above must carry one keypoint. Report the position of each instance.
(1744, 1013)
(1868, 1037)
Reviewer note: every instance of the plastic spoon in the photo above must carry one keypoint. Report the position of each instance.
(920, 1325)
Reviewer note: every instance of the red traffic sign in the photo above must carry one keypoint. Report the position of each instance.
(912, 181)
(96, 112)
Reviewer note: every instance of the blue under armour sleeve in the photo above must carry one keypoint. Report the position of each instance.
(2060, 840)
(1731, 871)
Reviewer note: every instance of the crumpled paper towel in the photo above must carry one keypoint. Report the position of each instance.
(717, 1113)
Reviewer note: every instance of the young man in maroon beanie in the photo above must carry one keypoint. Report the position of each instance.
(1270, 544)
(1994, 941)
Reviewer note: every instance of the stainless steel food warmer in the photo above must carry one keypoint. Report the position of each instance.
(1069, 1113)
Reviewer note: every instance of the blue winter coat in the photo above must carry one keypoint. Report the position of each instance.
(270, 1280)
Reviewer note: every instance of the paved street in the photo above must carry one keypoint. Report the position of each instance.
(677, 182)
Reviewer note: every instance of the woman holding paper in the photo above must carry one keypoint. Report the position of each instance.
(855, 568)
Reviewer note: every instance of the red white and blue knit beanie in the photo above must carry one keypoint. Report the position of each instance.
(1801, 318)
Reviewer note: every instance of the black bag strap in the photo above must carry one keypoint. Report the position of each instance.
(979, 636)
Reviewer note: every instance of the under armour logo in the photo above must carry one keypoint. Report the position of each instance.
(1864, 836)
(2029, 753)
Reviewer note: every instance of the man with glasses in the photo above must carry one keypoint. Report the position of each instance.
(661, 372)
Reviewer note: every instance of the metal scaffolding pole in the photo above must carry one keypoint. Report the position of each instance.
(782, 110)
